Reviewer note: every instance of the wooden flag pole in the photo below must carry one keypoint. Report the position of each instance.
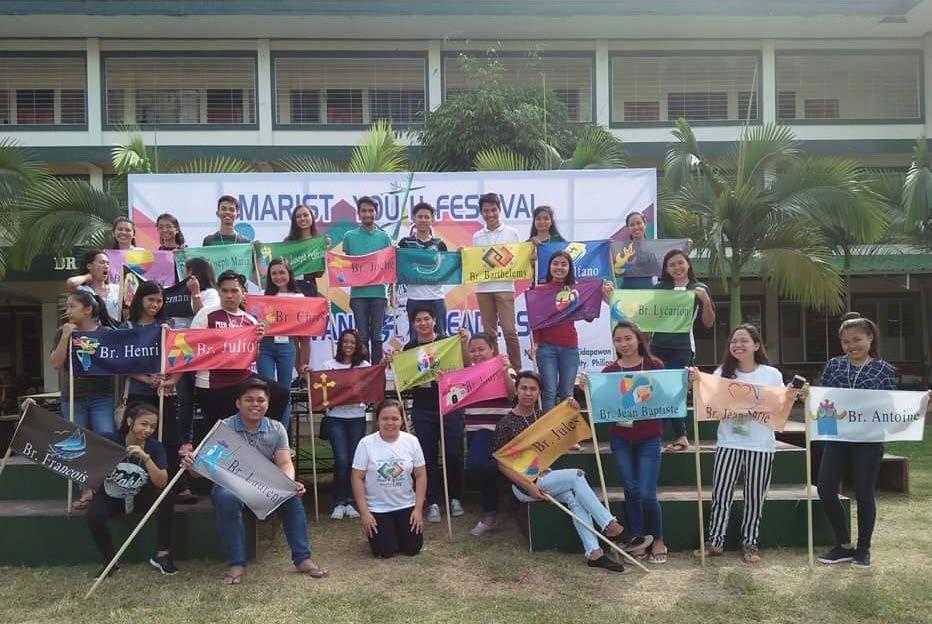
(404, 414)
(598, 534)
(155, 505)
(595, 446)
(310, 412)
(9, 449)
(161, 390)
(699, 485)
(70, 408)
(809, 492)
(446, 484)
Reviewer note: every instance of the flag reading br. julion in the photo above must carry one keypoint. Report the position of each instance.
(332, 388)
(370, 269)
(590, 258)
(497, 263)
(550, 304)
(66, 449)
(155, 266)
(481, 382)
(221, 258)
(534, 450)
(643, 258)
(135, 351)
(206, 349)
(717, 398)
(229, 461)
(303, 256)
(637, 395)
(290, 316)
(429, 266)
(858, 415)
(668, 311)
(425, 362)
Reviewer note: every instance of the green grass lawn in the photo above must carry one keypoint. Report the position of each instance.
(495, 579)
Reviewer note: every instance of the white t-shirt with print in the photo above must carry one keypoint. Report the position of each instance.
(745, 433)
(389, 470)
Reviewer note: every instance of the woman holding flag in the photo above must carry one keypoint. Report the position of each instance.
(94, 279)
(544, 227)
(304, 226)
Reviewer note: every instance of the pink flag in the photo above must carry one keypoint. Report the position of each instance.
(475, 384)
(371, 269)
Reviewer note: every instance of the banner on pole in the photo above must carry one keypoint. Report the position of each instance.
(346, 386)
(459, 389)
(667, 311)
(858, 415)
(717, 398)
(497, 263)
(369, 269)
(426, 362)
(290, 316)
(135, 351)
(640, 395)
(231, 348)
(221, 258)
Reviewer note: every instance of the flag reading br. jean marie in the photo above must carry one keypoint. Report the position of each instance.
(135, 351)
(425, 362)
(550, 304)
(858, 415)
(369, 269)
(155, 266)
(290, 316)
(429, 267)
(480, 382)
(205, 349)
(717, 398)
(590, 258)
(637, 395)
(497, 263)
(643, 258)
(68, 450)
(345, 386)
(668, 311)
(229, 461)
(534, 450)
(303, 256)
(221, 258)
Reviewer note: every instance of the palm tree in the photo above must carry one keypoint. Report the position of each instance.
(917, 188)
(753, 208)
(596, 148)
(19, 171)
(378, 152)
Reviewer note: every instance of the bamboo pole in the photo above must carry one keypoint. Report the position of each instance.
(595, 445)
(699, 488)
(161, 391)
(9, 449)
(809, 493)
(70, 409)
(446, 484)
(310, 413)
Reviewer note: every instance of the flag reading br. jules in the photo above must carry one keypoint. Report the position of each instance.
(66, 449)
(497, 263)
(668, 311)
(229, 461)
(362, 384)
(135, 351)
(638, 395)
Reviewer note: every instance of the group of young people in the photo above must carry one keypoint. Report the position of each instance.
(391, 479)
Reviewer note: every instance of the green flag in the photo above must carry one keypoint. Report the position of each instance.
(304, 256)
(667, 311)
(222, 258)
(426, 362)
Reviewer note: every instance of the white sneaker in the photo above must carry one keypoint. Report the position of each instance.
(350, 511)
(433, 513)
(481, 529)
(456, 508)
(339, 512)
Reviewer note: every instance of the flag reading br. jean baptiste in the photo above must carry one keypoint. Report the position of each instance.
(369, 269)
(332, 388)
(667, 311)
(205, 349)
(717, 398)
(303, 256)
(497, 263)
(229, 461)
(550, 304)
(66, 449)
(135, 351)
(534, 450)
(426, 362)
(429, 266)
(858, 415)
(290, 316)
(637, 395)
(480, 382)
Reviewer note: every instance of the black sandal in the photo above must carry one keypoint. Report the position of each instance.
(606, 563)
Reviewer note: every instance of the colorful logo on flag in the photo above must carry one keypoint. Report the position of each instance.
(209, 458)
(426, 359)
(497, 257)
(746, 396)
(566, 300)
(623, 258)
(635, 390)
(140, 260)
(70, 448)
(827, 418)
(181, 349)
(624, 310)
(86, 347)
(576, 250)
(455, 394)
(525, 462)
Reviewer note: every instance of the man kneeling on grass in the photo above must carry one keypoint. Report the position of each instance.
(269, 438)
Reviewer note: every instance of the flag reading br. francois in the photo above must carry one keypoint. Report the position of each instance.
(229, 461)
(668, 311)
(497, 263)
(857, 415)
(639, 395)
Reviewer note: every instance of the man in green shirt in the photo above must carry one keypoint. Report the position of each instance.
(368, 302)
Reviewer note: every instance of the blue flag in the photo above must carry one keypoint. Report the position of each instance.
(429, 267)
(590, 258)
(637, 395)
(135, 351)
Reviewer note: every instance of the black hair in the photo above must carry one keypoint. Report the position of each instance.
(632, 214)
(485, 337)
(230, 199)
(365, 199)
(489, 198)
(570, 276)
(145, 288)
(88, 300)
(202, 271)
(643, 343)
(253, 383)
(360, 353)
(422, 206)
(88, 257)
(230, 274)
(386, 404)
(132, 241)
(529, 374)
(553, 221)
(166, 216)
(865, 325)
(271, 288)
(730, 362)
(294, 232)
(665, 276)
(133, 411)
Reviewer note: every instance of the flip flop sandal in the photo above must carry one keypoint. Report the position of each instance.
(317, 573)
(232, 579)
(657, 558)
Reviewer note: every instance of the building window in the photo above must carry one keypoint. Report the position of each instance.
(804, 334)
(900, 329)
(861, 86)
(569, 77)
(356, 90)
(712, 342)
(180, 90)
(786, 105)
(42, 90)
(700, 87)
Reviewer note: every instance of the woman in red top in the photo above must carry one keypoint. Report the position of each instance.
(636, 449)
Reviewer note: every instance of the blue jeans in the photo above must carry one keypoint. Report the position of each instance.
(558, 367)
(479, 460)
(369, 317)
(185, 390)
(569, 486)
(427, 430)
(344, 434)
(229, 511)
(275, 362)
(439, 308)
(94, 413)
(639, 466)
(675, 358)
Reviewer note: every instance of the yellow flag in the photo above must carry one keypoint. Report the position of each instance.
(497, 263)
(550, 436)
